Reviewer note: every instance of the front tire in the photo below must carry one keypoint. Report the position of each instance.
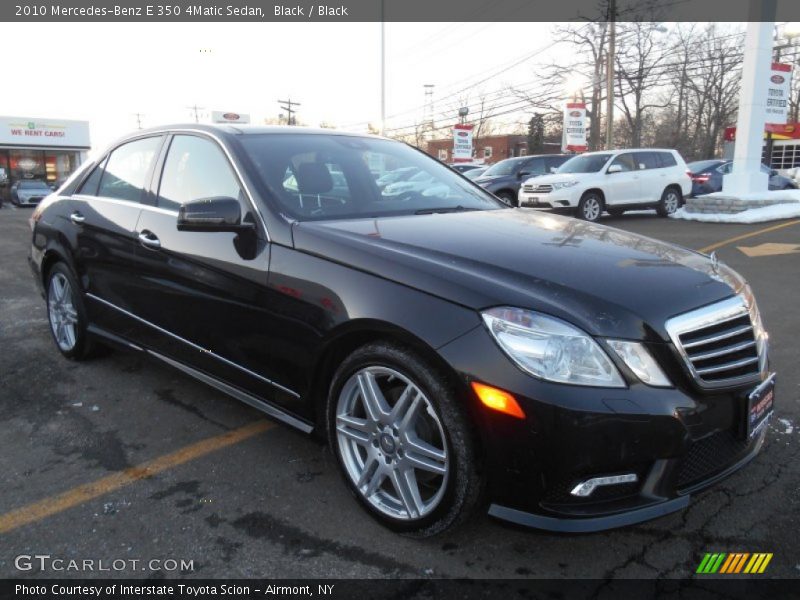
(590, 207)
(66, 313)
(402, 440)
(508, 198)
(671, 201)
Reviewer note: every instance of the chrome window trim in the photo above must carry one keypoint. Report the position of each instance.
(193, 345)
(713, 314)
(139, 205)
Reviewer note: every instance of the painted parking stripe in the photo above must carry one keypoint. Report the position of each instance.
(89, 491)
(747, 235)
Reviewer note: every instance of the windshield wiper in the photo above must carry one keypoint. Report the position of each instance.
(443, 209)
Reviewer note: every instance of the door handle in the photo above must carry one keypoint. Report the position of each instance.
(149, 239)
(77, 218)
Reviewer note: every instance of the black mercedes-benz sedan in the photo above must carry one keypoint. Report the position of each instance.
(456, 353)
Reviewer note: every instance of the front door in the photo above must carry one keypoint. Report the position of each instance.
(207, 298)
(623, 187)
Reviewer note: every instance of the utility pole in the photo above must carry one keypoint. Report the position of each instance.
(138, 119)
(612, 35)
(383, 70)
(290, 119)
(428, 118)
(196, 110)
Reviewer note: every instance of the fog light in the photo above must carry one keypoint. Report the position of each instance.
(584, 489)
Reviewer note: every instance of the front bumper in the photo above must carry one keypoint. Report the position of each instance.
(676, 440)
(29, 200)
(561, 198)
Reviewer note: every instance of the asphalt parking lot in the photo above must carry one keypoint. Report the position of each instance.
(242, 497)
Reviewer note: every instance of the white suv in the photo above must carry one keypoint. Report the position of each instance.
(616, 181)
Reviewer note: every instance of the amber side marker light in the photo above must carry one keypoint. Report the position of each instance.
(498, 400)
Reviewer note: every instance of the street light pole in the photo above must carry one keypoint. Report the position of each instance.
(612, 34)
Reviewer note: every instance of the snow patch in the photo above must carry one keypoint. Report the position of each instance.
(752, 215)
(788, 195)
(789, 427)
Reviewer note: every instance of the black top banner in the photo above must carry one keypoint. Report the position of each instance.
(332, 11)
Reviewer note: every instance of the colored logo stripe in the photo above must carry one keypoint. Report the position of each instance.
(734, 563)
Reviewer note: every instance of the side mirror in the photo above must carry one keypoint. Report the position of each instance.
(554, 169)
(614, 169)
(522, 174)
(218, 213)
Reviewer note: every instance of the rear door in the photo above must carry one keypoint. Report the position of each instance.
(623, 187)
(652, 176)
(206, 299)
(103, 215)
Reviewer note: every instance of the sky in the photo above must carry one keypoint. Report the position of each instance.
(107, 72)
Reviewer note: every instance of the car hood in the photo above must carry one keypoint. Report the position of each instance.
(489, 179)
(607, 281)
(29, 193)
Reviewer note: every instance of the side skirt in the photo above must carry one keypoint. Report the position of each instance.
(249, 399)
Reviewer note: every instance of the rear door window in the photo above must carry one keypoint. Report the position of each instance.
(647, 160)
(128, 169)
(90, 185)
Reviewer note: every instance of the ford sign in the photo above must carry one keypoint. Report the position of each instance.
(777, 79)
(231, 116)
(463, 133)
(575, 113)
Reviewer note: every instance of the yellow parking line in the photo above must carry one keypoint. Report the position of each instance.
(746, 235)
(89, 491)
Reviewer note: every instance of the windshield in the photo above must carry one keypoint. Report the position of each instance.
(319, 177)
(504, 167)
(35, 185)
(586, 163)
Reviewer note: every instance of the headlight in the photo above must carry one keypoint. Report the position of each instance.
(641, 362)
(551, 349)
(564, 184)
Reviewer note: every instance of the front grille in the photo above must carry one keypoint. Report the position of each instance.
(720, 344)
(537, 189)
(709, 456)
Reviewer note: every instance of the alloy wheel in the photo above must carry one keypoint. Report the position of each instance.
(591, 209)
(392, 443)
(61, 312)
(671, 202)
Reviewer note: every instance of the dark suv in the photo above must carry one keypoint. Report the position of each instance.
(454, 352)
(504, 178)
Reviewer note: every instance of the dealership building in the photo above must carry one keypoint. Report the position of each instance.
(37, 148)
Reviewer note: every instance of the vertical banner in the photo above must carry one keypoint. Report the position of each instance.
(778, 91)
(574, 138)
(462, 143)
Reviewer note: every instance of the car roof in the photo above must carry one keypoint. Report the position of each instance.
(229, 129)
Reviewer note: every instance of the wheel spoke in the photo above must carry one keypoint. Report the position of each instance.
(358, 430)
(375, 478)
(71, 315)
(422, 455)
(402, 405)
(406, 426)
(405, 484)
(372, 396)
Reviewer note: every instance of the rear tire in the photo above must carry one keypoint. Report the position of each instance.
(66, 314)
(402, 440)
(671, 200)
(590, 207)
